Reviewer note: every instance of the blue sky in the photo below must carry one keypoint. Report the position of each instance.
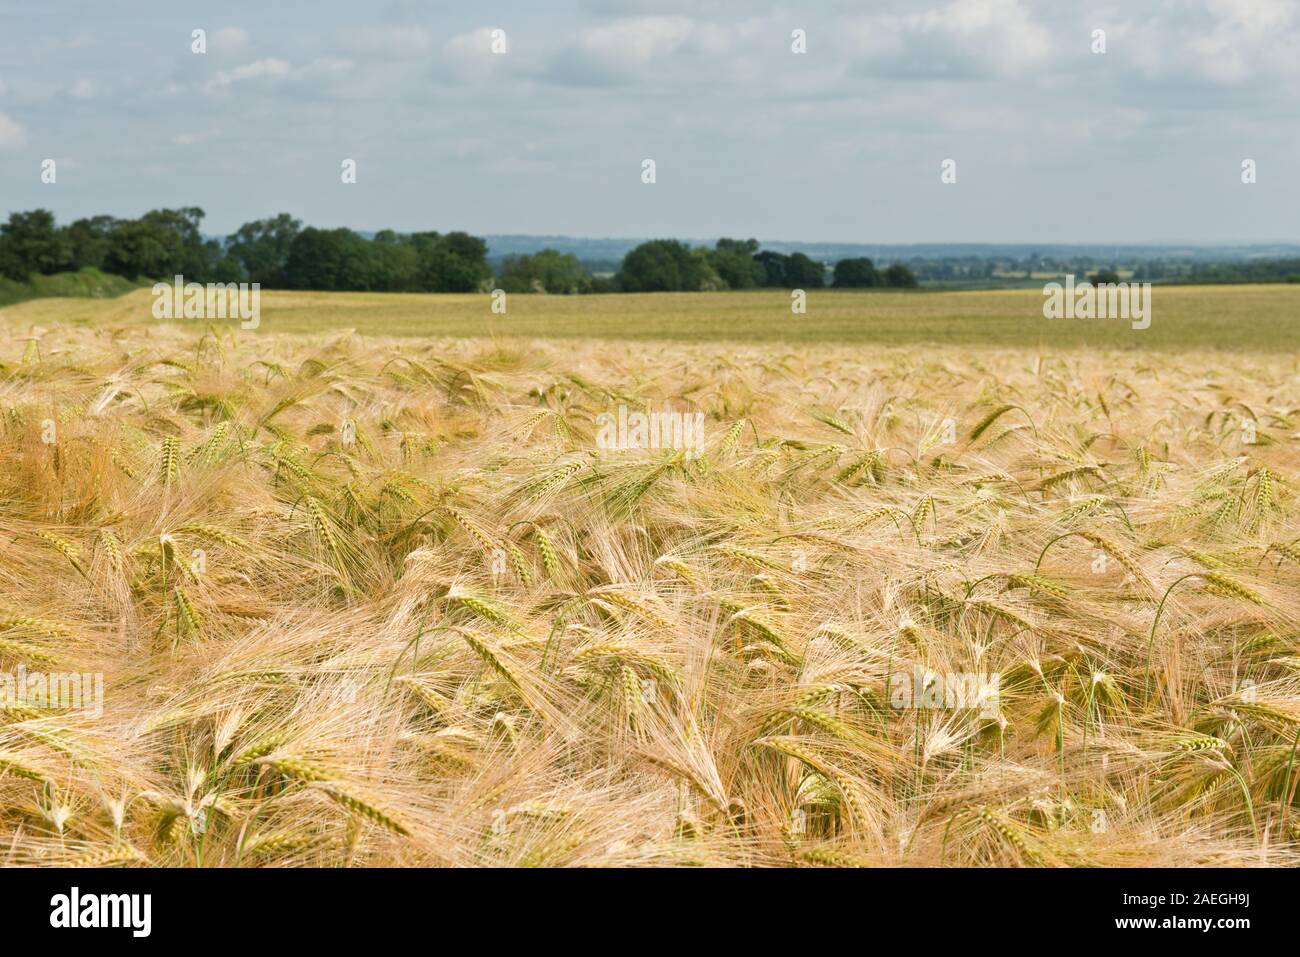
(1053, 143)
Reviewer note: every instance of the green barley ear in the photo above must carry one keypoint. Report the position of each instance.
(259, 748)
(550, 555)
(371, 812)
(830, 857)
(300, 769)
(278, 842)
(1263, 500)
(925, 510)
(169, 463)
(112, 546)
(747, 556)
(472, 527)
(68, 549)
(866, 461)
(518, 561)
(1010, 835)
(731, 436)
(1223, 585)
(480, 607)
(43, 627)
(112, 856)
(1290, 550)
(833, 421)
(628, 602)
(189, 624)
(214, 533)
(982, 425)
(19, 767)
(630, 685)
(678, 566)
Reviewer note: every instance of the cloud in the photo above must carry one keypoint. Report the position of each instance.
(1250, 38)
(271, 67)
(83, 90)
(628, 49)
(469, 56)
(964, 39)
(12, 135)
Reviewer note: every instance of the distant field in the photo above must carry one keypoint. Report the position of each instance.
(1250, 318)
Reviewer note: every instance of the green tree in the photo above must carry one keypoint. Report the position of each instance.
(801, 272)
(316, 259)
(733, 261)
(774, 266)
(456, 262)
(31, 244)
(262, 248)
(163, 243)
(89, 240)
(137, 248)
(900, 277)
(547, 270)
(395, 264)
(855, 274)
(661, 265)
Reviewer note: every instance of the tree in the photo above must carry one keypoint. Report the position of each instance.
(89, 240)
(1104, 277)
(547, 270)
(900, 277)
(163, 243)
(137, 248)
(855, 274)
(804, 273)
(661, 265)
(462, 264)
(262, 248)
(456, 262)
(774, 267)
(316, 259)
(733, 261)
(31, 244)
(394, 263)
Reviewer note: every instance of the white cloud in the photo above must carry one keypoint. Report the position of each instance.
(1254, 16)
(961, 39)
(83, 90)
(261, 69)
(470, 56)
(12, 135)
(325, 65)
(626, 49)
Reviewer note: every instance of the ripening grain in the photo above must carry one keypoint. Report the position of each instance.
(365, 601)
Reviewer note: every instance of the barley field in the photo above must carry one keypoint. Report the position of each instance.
(361, 598)
(1241, 318)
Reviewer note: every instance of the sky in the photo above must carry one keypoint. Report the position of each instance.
(1052, 142)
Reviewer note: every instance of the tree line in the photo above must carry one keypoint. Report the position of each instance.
(281, 253)
(277, 252)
